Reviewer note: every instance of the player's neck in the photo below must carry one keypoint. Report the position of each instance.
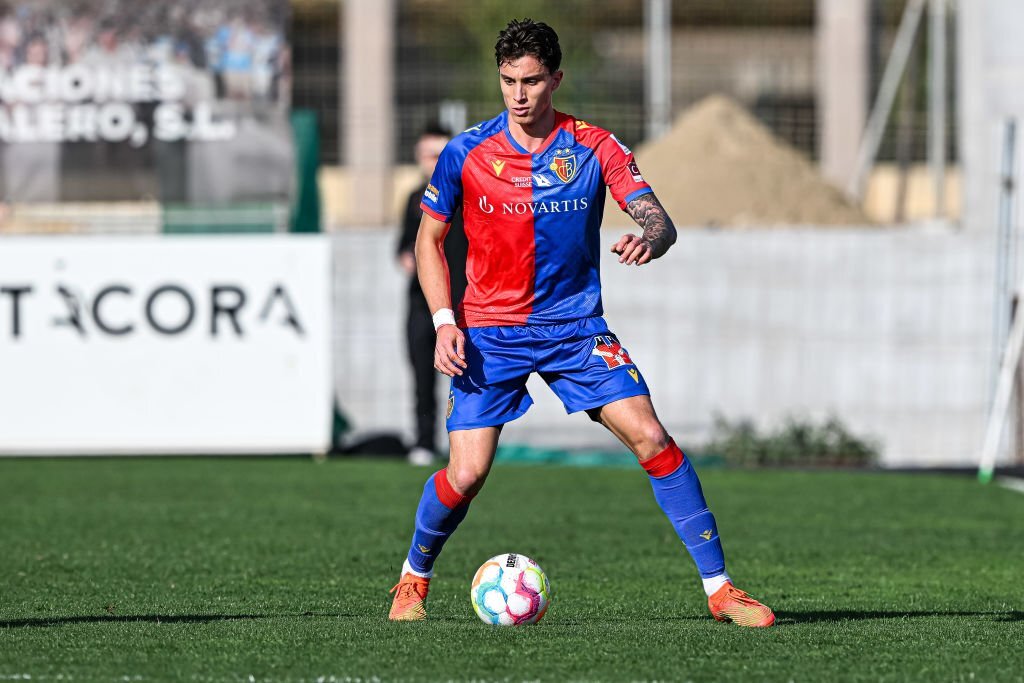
(532, 137)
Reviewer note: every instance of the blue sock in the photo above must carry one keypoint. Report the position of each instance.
(440, 511)
(677, 490)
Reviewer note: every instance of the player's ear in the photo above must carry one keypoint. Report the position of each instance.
(556, 80)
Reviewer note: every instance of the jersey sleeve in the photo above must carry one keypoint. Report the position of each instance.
(621, 174)
(443, 194)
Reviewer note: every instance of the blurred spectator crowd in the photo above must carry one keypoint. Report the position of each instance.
(241, 43)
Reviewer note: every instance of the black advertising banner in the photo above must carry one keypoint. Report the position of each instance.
(104, 100)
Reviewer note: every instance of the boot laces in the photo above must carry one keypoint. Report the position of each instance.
(741, 596)
(408, 590)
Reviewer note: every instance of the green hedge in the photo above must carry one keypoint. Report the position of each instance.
(797, 443)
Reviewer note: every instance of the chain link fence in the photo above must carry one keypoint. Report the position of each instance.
(760, 52)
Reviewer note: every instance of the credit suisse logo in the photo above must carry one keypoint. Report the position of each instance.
(530, 180)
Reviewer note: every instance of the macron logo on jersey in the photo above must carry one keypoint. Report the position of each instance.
(523, 208)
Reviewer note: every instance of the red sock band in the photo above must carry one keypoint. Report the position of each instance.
(448, 496)
(664, 463)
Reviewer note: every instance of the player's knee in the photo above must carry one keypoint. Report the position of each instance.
(466, 479)
(649, 439)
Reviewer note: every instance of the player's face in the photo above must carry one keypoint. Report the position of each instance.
(527, 85)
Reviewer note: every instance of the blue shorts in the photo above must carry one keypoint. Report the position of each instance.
(581, 361)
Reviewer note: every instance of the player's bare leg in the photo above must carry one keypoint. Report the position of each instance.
(472, 453)
(442, 507)
(633, 421)
(678, 492)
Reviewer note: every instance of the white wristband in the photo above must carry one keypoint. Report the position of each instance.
(445, 316)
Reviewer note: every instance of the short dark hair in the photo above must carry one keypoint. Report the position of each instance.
(529, 37)
(435, 129)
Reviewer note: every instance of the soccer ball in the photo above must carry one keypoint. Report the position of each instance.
(510, 590)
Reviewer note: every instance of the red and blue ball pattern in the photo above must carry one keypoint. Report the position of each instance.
(510, 590)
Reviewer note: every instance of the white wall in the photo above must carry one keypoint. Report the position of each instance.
(887, 328)
(990, 74)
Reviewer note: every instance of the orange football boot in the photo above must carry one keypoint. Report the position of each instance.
(731, 604)
(410, 599)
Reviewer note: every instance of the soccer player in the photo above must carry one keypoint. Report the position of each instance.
(531, 183)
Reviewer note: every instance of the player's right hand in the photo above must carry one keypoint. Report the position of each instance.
(450, 350)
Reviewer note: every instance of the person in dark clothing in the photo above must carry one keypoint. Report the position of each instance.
(419, 325)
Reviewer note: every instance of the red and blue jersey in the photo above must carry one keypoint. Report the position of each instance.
(532, 220)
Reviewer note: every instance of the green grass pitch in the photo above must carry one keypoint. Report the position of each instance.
(278, 570)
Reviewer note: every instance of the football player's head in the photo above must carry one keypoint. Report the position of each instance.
(432, 140)
(528, 57)
(529, 37)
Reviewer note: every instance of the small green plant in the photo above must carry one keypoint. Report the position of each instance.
(798, 443)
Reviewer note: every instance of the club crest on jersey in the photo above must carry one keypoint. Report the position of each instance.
(564, 165)
(608, 349)
(498, 165)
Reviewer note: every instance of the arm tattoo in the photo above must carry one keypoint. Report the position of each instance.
(650, 215)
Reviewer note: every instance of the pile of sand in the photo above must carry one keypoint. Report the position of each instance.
(720, 166)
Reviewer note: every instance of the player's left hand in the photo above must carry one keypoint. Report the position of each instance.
(633, 250)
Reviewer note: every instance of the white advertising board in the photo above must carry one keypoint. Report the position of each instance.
(184, 344)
